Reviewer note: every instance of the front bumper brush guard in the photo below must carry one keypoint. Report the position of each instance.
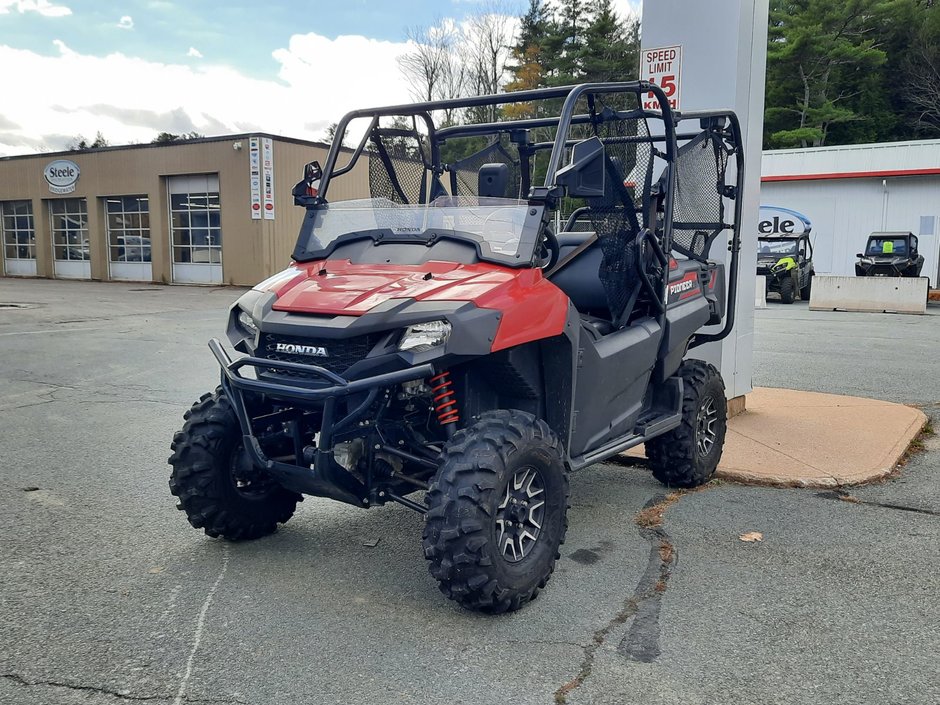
(325, 478)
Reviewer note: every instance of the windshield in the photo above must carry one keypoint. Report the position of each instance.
(777, 248)
(887, 246)
(496, 223)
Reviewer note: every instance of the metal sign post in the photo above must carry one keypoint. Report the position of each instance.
(720, 61)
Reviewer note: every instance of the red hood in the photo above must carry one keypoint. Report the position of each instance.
(531, 307)
(354, 289)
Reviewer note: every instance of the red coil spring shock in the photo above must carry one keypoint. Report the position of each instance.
(445, 401)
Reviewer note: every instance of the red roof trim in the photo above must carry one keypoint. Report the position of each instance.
(852, 175)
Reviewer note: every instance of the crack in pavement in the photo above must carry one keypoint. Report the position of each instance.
(200, 627)
(641, 643)
(110, 397)
(844, 496)
(19, 680)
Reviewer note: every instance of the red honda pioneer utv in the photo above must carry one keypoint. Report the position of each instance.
(454, 345)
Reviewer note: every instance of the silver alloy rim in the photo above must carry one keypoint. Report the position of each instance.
(706, 422)
(519, 517)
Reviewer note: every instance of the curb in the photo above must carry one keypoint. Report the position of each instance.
(847, 440)
(889, 462)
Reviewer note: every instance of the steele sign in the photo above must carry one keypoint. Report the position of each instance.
(775, 221)
(61, 175)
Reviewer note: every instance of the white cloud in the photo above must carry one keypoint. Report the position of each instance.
(43, 7)
(333, 76)
(128, 98)
(126, 22)
(194, 52)
(628, 8)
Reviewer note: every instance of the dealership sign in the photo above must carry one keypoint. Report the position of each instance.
(254, 174)
(61, 175)
(782, 222)
(267, 177)
(663, 67)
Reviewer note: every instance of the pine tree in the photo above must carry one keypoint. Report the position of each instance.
(818, 54)
(528, 57)
(611, 45)
(564, 43)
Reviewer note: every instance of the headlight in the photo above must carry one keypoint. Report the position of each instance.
(247, 322)
(424, 336)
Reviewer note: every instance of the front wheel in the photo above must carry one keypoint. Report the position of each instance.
(218, 486)
(787, 290)
(497, 512)
(688, 455)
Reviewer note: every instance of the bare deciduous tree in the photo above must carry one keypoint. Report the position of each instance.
(489, 36)
(450, 60)
(922, 86)
(434, 68)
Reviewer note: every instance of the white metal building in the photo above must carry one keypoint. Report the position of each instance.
(853, 190)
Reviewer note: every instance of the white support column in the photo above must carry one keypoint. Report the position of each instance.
(724, 54)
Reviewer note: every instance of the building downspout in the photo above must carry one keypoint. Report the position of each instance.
(884, 206)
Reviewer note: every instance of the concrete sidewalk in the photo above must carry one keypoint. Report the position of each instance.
(807, 439)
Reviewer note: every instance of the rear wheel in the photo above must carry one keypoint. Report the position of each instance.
(787, 290)
(497, 512)
(218, 486)
(688, 455)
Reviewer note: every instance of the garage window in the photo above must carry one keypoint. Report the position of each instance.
(19, 231)
(197, 227)
(69, 225)
(128, 228)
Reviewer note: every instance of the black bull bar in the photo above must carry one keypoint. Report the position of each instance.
(323, 477)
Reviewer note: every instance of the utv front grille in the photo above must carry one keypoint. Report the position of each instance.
(333, 355)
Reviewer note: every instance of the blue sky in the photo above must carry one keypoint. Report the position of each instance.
(134, 68)
(239, 33)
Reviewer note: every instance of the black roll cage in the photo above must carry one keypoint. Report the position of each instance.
(546, 196)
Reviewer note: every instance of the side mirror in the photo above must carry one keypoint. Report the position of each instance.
(313, 172)
(309, 186)
(586, 175)
(859, 255)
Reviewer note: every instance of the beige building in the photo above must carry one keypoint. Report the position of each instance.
(207, 211)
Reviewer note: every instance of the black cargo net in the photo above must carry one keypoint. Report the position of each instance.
(465, 174)
(698, 208)
(397, 166)
(583, 224)
(617, 216)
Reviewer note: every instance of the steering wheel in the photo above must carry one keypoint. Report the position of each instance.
(549, 250)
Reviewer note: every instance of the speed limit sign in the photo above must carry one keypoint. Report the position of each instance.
(663, 67)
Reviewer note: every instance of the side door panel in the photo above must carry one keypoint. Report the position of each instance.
(612, 377)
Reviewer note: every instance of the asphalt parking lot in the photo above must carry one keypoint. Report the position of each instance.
(108, 595)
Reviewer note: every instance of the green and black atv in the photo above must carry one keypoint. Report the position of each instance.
(786, 262)
(890, 255)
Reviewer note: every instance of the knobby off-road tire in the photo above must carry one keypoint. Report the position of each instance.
(483, 501)
(688, 455)
(787, 290)
(807, 290)
(208, 461)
